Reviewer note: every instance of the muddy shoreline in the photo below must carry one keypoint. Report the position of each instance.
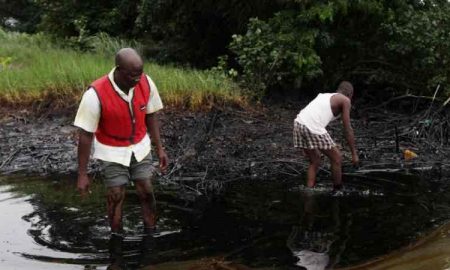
(223, 144)
(225, 159)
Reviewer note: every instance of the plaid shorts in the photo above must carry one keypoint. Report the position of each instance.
(304, 138)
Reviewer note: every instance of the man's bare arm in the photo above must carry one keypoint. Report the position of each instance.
(152, 123)
(84, 151)
(348, 130)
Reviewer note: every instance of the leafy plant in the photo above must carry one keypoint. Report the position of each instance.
(418, 39)
(280, 50)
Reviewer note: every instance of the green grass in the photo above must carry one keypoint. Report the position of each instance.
(32, 68)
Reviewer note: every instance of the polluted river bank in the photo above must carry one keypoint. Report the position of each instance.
(234, 196)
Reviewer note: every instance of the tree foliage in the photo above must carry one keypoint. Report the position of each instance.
(72, 18)
(400, 45)
(188, 31)
(20, 15)
(197, 31)
(419, 41)
(280, 50)
(397, 45)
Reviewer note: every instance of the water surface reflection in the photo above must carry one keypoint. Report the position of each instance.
(260, 224)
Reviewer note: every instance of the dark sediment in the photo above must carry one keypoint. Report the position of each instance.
(208, 148)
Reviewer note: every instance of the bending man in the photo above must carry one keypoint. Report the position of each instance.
(310, 133)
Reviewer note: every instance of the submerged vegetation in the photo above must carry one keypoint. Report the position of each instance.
(61, 191)
(37, 67)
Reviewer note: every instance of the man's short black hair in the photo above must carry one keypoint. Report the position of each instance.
(345, 88)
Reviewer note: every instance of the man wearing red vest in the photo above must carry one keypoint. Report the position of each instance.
(115, 113)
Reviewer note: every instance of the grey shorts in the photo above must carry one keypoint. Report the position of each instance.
(115, 174)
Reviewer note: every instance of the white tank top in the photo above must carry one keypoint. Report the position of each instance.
(317, 114)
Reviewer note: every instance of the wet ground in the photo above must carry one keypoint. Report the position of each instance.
(249, 224)
(226, 144)
(232, 199)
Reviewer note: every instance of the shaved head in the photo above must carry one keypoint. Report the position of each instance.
(129, 68)
(129, 58)
(345, 88)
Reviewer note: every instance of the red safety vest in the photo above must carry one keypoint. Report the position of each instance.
(117, 125)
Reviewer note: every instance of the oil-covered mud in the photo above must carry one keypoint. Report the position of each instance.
(233, 197)
(271, 224)
(226, 144)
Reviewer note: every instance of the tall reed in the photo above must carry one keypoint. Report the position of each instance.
(35, 67)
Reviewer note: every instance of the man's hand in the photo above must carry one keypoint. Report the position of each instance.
(163, 160)
(153, 127)
(84, 149)
(83, 184)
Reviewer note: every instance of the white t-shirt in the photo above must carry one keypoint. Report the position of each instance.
(88, 117)
(317, 114)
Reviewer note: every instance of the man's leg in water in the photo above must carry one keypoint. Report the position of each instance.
(146, 197)
(115, 197)
(336, 165)
(313, 156)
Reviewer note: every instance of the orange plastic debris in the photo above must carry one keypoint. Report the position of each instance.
(408, 154)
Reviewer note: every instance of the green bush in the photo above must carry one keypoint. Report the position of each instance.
(419, 40)
(396, 45)
(276, 52)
